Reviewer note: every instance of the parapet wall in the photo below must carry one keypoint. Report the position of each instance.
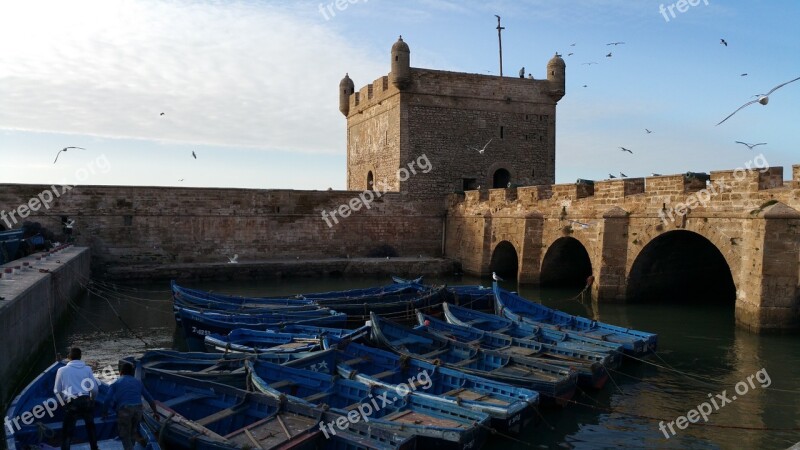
(157, 225)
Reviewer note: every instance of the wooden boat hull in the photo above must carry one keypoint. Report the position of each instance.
(519, 309)
(432, 422)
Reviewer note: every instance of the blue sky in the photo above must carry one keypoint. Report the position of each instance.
(251, 86)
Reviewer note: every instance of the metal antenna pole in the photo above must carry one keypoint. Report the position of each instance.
(500, 42)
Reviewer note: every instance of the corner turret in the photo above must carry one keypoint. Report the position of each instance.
(401, 64)
(557, 76)
(346, 88)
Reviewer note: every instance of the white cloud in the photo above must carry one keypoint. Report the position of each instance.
(224, 73)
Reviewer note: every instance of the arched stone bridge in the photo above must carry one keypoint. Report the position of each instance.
(733, 235)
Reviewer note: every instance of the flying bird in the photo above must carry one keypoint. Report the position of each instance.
(608, 55)
(64, 150)
(762, 98)
(570, 54)
(743, 75)
(581, 224)
(522, 72)
(234, 259)
(750, 146)
(496, 277)
(585, 85)
(588, 63)
(161, 114)
(194, 155)
(626, 150)
(484, 147)
(648, 131)
(623, 175)
(181, 179)
(723, 42)
(615, 43)
(572, 45)
(611, 176)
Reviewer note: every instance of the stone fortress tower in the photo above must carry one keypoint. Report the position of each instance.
(448, 116)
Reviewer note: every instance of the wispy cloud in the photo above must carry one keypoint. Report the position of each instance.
(238, 74)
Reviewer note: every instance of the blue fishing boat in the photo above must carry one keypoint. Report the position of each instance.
(198, 324)
(272, 341)
(591, 367)
(34, 427)
(489, 322)
(555, 384)
(518, 309)
(10, 241)
(476, 297)
(511, 408)
(202, 415)
(433, 422)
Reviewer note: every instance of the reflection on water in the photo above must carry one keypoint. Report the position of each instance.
(700, 353)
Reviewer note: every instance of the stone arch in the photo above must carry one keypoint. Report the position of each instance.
(505, 260)
(494, 168)
(501, 178)
(681, 266)
(566, 263)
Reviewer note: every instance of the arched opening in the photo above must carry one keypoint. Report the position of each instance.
(566, 264)
(370, 180)
(681, 266)
(501, 178)
(505, 261)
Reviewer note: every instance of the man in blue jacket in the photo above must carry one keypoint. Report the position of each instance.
(125, 397)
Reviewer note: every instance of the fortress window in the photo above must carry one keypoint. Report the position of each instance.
(501, 179)
(370, 180)
(469, 184)
(501, 132)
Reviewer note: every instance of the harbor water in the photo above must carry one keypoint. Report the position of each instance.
(752, 379)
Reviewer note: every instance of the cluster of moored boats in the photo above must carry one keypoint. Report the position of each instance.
(344, 370)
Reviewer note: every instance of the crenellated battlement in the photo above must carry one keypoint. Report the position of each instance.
(634, 194)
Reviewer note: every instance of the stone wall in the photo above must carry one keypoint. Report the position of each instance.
(751, 216)
(156, 225)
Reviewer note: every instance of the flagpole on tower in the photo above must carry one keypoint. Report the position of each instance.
(500, 42)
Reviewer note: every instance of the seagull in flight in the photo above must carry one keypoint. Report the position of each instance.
(626, 150)
(623, 175)
(608, 55)
(181, 179)
(615, 43)
(572, 45)
(161, 114)
(648, 131)
(743, 75)
(481, 150)
(234, 259)
(570, 54)
(64, 150)
(588, 63)
(762, 98)
(496, 277)
(194, 155)
(611, 176)
(723, 42)
(580, 224)
(750, 146)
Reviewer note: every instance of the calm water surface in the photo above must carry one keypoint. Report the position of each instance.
(701, 352)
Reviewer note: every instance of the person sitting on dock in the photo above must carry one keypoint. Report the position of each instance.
(77, 382)
(125, 397)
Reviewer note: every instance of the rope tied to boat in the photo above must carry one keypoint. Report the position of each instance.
(43, 431)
